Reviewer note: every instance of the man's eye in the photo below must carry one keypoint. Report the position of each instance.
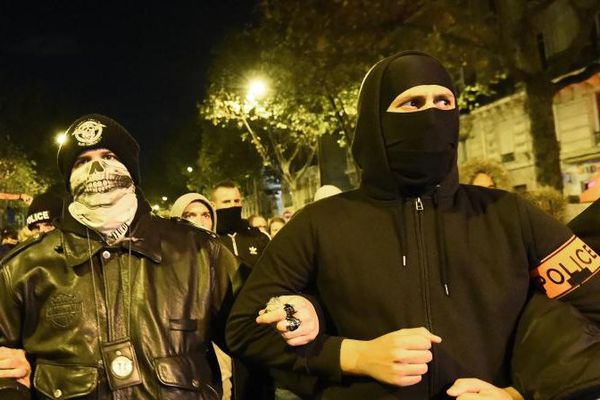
(109, 157)
(443, 101)
(79, 162)
(412, 103)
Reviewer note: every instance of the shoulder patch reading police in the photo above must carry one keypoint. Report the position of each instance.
(88, 132)
(567, 268)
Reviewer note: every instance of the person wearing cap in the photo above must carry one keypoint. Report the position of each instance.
(43, 210)
(115, 302)
(424, 280)
(195, 208)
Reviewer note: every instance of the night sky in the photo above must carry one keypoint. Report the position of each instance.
(143, 65)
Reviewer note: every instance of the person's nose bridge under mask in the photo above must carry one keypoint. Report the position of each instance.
(96, 167)
(419, 130)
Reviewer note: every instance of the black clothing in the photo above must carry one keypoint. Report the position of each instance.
(587, 225)
(96, 131)
(4, 250)
(250, 381)
(166, 289)
(44, 208)
(10, 389)
(456, 259)
(420, 146)
(553, 330)
(556, 352)
(245, 242)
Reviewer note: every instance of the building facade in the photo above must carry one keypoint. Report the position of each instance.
(500, 131)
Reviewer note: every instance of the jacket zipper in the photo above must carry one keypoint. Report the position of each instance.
(419, 209)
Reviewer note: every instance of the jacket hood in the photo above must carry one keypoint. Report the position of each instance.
(183, 201)
(377, 91)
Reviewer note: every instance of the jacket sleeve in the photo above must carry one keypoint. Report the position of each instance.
(563, 266)
(556, 352)
(558, 337)
(10, 311)
(287, 267)
(227, 273)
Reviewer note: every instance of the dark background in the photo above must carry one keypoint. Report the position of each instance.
(143, 64)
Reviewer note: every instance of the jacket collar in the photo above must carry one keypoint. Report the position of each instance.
(143, 239)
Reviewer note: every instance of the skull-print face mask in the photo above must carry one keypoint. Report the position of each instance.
(103, 197)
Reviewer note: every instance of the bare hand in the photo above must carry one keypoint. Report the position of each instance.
(398, 358)
(476, 389)
(13, 364)
(275, 314)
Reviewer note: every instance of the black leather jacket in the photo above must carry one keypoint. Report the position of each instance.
(166, 291)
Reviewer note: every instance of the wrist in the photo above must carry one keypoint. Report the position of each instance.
(350, 356)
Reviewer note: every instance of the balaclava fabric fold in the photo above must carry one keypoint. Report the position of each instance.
(420, 146)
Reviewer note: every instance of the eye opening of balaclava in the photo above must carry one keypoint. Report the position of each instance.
(420, 146)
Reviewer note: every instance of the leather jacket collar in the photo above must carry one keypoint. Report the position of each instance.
(142, 238)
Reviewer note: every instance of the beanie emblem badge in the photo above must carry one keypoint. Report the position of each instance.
(88, 133)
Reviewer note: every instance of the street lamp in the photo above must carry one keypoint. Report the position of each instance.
(257, 88)
(164, 198)
(60, 138)
(190, 169)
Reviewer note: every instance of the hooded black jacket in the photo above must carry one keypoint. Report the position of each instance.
(456, 260)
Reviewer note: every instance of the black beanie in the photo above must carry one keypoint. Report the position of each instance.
(44, 208)
(95, 131)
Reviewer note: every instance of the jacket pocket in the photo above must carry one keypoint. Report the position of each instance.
(186, 377)
(56, 381)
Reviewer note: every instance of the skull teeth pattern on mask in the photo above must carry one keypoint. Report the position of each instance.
(107, 184)
(104, 197)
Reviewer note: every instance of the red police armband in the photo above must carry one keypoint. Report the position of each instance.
(567, 268)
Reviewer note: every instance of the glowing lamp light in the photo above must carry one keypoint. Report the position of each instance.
(164, 198)
(156, 207)
(60, 138)
(190, 169)
(256, 89)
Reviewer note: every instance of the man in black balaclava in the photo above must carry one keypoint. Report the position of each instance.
(423, 280)
(235, 232)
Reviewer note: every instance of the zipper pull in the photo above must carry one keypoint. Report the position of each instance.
(418, 204)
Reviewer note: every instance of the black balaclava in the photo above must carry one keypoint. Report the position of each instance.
(230, 220)
(405, 154)
(420, 146)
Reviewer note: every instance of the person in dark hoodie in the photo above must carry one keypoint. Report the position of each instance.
(422, 281)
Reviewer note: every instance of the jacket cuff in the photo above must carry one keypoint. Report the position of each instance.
(323, 358)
